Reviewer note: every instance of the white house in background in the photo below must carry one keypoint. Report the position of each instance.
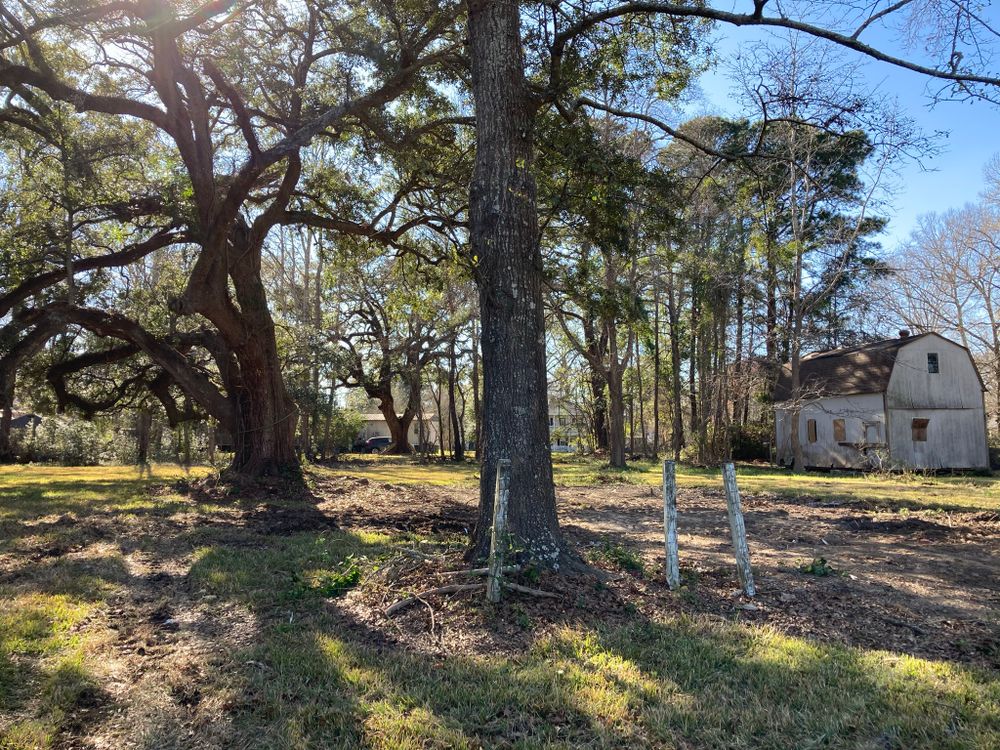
(912, 401)
(374, 425)
(564, 425)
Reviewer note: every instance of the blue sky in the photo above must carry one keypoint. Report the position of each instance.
(949, 180)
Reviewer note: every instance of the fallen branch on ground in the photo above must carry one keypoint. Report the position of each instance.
(526, 590)
(420, 555)
(452, 588)
(456, 588)
(479, 571)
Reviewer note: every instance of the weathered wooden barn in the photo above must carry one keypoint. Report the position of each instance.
(909, 402)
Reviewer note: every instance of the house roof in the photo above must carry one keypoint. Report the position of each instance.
(23, 419)
(844, 372)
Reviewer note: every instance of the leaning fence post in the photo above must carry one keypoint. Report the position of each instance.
(670, 523)
(738, 529)
(501, 496)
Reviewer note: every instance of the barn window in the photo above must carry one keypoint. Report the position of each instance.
(839, 430)
(932, 363)
(811, 430)
(919, 429)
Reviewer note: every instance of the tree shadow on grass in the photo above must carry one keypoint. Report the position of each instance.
(330, 681)
(318, 676)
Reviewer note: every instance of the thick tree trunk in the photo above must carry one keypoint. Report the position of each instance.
(477, 405)
(616, 418)
(597, 384)
(265, 415)
(602, 440)
(6, 450)
(504, 234)
(6, 417)
(143, 425)
(25, 348)
(399, 427)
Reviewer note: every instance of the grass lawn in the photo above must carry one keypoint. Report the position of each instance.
(910, 491)
(263, 653)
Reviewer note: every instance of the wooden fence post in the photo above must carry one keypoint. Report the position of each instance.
(494, 582)
(738, 529)
(670, 524)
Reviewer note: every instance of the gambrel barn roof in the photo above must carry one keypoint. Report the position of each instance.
(845, 372)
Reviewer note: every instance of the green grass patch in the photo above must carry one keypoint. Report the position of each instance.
(330, 583)
(288, 568)
(893, 492)
(678, 683)
(43, 672)
(619, 555)
(39, 490)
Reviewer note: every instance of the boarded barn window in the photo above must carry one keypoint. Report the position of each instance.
(811, 430)
(873, 432)
(919, 429)
(839, 430)
(932, 363)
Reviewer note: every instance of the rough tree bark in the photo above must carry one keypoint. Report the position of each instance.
(9, 362)
(504, 233)
(595, 347)
(6, 417)
(398, 424)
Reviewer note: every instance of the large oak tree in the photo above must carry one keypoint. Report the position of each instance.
(235, 93)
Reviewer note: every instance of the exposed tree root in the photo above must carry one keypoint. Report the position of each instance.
(452, 588)
(455, 588)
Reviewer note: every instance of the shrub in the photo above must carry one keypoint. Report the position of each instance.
(71, 442)
(818, 567)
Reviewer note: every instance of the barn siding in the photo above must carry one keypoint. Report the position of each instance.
(956, 439)
(827, 452)
(951, 400)
(956, 386)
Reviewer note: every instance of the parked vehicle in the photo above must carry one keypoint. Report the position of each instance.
(377, 444)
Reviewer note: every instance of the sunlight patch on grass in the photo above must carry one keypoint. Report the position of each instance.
(677, 683)
(404, 470)
(37, 624)
(43, 672)
(38, 490)
(285, 567)
(945, 493)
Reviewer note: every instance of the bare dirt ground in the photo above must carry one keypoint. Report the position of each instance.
(921, 583)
